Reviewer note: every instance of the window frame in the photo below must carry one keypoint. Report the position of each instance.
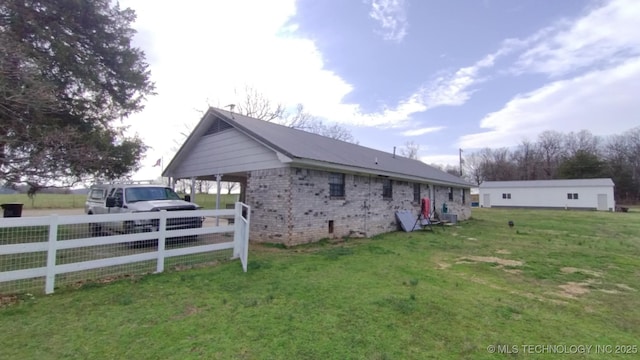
(337, 188)
(387, 189)
(506, 196)
(450, 193)
(416, 192)
(93, 194)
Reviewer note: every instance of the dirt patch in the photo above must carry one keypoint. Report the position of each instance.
(490, 259)
(516, 292)
(625, 287)
(513, 271)
(571, 270)
(574, 289)
(472, 239)
(6, 300)
(443, 266)
(503, 251)
(610, 291)
(183, 267)
(188, 311)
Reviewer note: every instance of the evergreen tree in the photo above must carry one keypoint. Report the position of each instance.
(68, 76)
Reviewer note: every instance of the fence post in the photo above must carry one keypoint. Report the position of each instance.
(50, 278)
(245, 234)
(162, 240)
(237, 231)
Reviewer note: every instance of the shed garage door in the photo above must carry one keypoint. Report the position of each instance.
(486, 200)
(602, 202)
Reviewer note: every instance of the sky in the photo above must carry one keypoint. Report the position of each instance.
(445, 75)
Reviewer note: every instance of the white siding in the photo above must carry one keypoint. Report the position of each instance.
(227, 152)
(547, 197)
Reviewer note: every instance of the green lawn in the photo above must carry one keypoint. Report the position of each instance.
(555, 278)
(70, 201)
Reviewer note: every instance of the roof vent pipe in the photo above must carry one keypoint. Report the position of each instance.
(394, 152)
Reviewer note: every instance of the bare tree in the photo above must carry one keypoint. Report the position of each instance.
(410, 150)
(299, 119)
(256, 105)
(527, 160)
(496, 164)
(473, 168)
(230, 186)
(583, 141)
(550, 146)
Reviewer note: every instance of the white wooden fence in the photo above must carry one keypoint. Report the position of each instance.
(53, 244)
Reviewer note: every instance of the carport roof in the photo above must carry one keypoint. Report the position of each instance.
(309, 149)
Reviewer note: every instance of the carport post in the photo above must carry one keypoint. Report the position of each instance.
(193, 189)
(218, 178)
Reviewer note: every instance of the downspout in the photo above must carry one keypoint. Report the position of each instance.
(367, 204)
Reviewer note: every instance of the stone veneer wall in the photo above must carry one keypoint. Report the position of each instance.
(292, 205)
(456, 206)
(268, 192)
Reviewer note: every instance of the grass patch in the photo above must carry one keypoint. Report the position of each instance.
(557, 277)
(45, 201)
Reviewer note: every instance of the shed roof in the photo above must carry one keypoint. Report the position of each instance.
(310, 149)
(604, 182)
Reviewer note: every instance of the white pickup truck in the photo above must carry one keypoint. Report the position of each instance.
(117, 198)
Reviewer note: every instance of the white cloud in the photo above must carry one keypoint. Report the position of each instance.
(598, 54)
(447, 89)
(602, 101)
(442, 160)
(422, 131)
(392, 18)
(603, 37)
(201, 52)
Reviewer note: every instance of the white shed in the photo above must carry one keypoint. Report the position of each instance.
(587, 194)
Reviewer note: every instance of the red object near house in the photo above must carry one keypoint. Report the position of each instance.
(425, 208)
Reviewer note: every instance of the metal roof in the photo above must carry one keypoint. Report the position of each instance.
(546, 183)
(305, 148)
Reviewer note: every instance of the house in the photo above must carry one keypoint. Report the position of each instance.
(303, 187)
(587, 194)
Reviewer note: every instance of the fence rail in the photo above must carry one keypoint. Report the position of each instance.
(50, 246)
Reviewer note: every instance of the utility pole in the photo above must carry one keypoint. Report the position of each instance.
(460, 162)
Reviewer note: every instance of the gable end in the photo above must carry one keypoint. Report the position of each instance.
(217, 126)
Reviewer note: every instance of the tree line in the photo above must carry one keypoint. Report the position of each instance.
(556, 155)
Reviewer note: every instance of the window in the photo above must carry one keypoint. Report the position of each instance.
(573, 196)
(416, 192)
(387, 189)
(463, 197)
(450, 194)
(117, 193)
(145, 193)
(96, 194)
(336, 185)
(506, 196)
